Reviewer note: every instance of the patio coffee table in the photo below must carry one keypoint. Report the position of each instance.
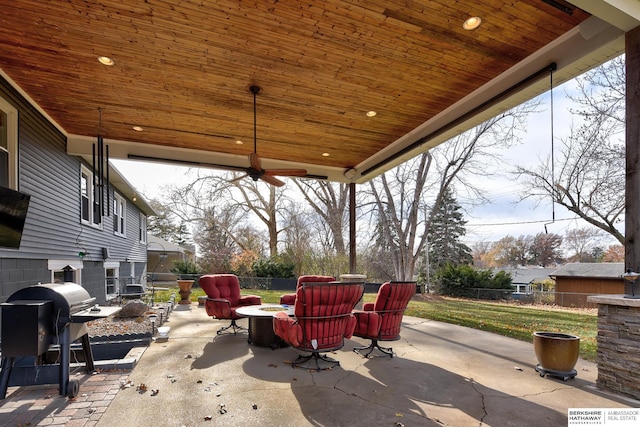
(261, 323)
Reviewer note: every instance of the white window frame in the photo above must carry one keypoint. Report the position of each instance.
(119, 215)
(111, 265)
(55, 267)
(142, 228)
(12, 142)
(90, 196)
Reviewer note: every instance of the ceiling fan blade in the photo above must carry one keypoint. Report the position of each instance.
(285, 172)
(238, 178)
(255, 161)
(272, 180)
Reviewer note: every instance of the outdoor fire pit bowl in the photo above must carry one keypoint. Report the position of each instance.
(557, 354)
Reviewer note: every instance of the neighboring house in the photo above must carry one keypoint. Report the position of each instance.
(63, 228)
(522, 279)
(161, 256)
(574, 282)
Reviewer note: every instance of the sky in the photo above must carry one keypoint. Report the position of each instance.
(488, 223)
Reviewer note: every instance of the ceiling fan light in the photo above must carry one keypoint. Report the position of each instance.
(371, 113)
(238, 142)
(325, 154)
(138, 128)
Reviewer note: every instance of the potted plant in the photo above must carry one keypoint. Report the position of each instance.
(185, 271)
(557, 353)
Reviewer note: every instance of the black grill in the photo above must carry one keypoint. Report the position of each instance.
(38, 317)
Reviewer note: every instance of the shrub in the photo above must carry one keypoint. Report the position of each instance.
(463, 281)
(270, 267)
(185, 267)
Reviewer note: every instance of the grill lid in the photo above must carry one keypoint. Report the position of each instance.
(68, 298)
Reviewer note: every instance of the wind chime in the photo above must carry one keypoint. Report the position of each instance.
(100, 154)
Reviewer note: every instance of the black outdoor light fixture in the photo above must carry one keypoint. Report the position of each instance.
(631, 277)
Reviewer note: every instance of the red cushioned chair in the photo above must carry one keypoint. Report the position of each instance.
(289, 299)
(223, 298)
(380, 320)
(323, 319)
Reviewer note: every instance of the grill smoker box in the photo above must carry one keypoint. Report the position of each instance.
(36, 317)
(26, 328)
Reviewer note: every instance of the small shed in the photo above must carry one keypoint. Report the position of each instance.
(576, 281)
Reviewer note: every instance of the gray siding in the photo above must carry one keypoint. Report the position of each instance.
(53, 229)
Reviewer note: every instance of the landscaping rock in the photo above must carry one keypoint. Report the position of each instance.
(135, 308)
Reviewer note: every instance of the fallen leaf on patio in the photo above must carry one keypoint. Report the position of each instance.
(518, 368)
(218, 394)
(170, 375)
(399, 424)
(127, 384)
(273, 365)
(154, 392)
(142, 388)
(398, 414)
(208, 418)
(207, 389)
(188, 356)
(91, 410)
(222, 409)
(199, 382)
(255, 406)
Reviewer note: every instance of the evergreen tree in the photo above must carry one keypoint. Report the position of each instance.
(447, 227)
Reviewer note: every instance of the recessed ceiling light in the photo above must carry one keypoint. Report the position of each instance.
(238, 142)
(472, 23)
(325, 154)
(105, 60)
(138, 128)
(371, 113)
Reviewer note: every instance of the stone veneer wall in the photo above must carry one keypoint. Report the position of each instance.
(619, 349)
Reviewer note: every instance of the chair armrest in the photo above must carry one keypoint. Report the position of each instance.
(368, 306)
(287, 328)
(351, 326)
(249, 300)
(368, 323)
(288, 299)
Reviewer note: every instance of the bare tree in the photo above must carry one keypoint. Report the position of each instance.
(399, 196)
(588, 175)
(581, 242)
(330, 201)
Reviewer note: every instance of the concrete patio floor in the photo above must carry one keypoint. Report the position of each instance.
(443, 375)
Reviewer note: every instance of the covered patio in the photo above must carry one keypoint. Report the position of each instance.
(442, 375)
(348, 91)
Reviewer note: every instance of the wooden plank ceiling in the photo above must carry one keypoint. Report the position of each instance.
(183, 69)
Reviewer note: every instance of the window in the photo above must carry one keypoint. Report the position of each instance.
(143, 228)
(59, 268)
(111, 277)
(8, 145)
(119, 215)
(90, 208)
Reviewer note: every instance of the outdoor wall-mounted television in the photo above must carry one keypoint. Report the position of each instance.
(13, 212)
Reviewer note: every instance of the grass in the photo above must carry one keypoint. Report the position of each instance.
(515, 321)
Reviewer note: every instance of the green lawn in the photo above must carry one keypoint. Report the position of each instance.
(510, 320)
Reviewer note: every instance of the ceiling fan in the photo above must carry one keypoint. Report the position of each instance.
(255, 170)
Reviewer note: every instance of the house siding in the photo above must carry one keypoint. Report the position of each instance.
(573, 291)
(53, 229)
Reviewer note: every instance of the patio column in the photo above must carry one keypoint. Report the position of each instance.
(352, 228)
(632, 194)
